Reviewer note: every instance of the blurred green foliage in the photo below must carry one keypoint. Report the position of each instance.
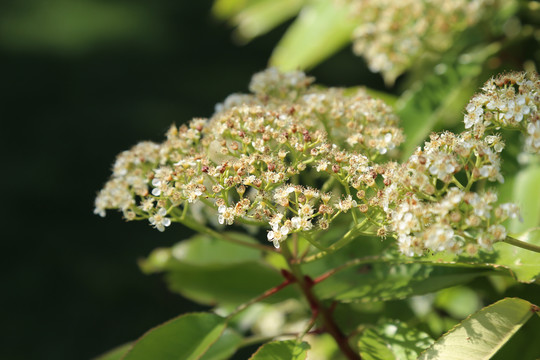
(73, 26)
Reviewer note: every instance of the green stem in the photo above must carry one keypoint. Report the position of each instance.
(346, 239)
(348, 192)
(522, 244)
(308, 327)
(309, 239)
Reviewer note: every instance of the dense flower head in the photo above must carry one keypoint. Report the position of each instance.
(392, 34)
(292, 158)
(430, 202)
(509, 101)
(250, 160)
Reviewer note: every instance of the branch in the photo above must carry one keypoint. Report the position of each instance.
(317, 308)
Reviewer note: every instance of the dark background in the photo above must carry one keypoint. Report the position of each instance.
(82, 81)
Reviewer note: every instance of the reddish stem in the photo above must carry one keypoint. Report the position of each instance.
(267, 293)
(329, 324)
(306, 285)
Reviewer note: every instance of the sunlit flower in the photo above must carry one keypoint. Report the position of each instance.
(159, 220)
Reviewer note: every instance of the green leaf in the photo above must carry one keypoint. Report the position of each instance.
(523, 190)
(206, 250)
(393, 340)
(224, 347)
(321, 29)
(526, 195)
(212, 271)
(390, 281)
(262, 16)
(440, 97)
(226, 285)
(524, 264)
(185, 337)
(458, 301)
(225, 9)
(482, 334)
(388, 98)
(280, 350)
(116, 353)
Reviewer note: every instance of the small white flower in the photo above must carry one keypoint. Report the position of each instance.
(442, 167)
(226, 215)
(159, 220)
(485, 241)
(277, 235)
(322, 165)
(301, 223)
(346, 204)
(160, 187)
(440, 238)
(194, 194)
(533, 140)
(498, 232)
(305, 210)
(147, 204)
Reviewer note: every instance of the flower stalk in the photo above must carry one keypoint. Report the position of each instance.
(521, 244)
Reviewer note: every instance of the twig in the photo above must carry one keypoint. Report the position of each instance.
(522, 244)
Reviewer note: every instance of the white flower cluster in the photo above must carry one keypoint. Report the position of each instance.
(242, 160)
(292, 157)
(458, 221)
(508, 101)
(392, 34)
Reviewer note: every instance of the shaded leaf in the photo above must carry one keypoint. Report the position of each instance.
(483, 333)
(185, 337)
(388, 281)
(458, 301)
(212, 271)
(522, 264)
(280, 350)
(224, 347)
(393, 340)
(226, 285)
(203, 249)
(526, 194)
(320, 30)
